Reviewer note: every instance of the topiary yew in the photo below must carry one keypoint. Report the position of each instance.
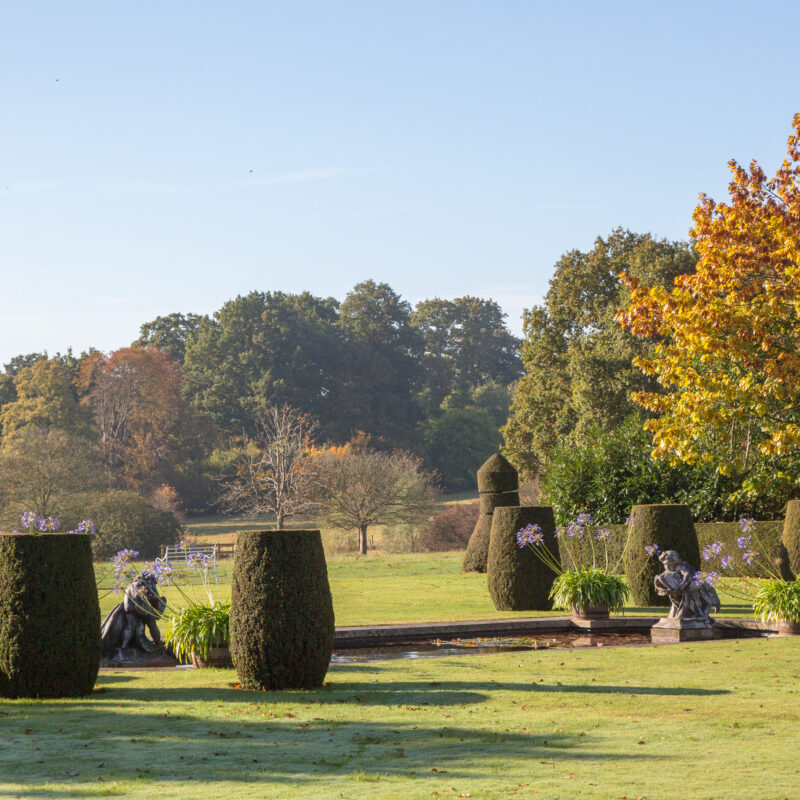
(497, 475)
(518, 580)
(49, 615)
(281, 622)
(670, 526)
(791, 535)
(478, 545)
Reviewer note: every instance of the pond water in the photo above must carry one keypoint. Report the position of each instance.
(461, 647)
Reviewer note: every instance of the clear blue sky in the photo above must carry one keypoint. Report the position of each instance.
(166, 156)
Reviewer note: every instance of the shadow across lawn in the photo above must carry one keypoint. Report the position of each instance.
(77, 751)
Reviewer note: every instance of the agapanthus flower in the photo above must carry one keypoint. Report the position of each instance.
(706, 577)
(31, 519)
(744, 541)
(530, 534)
(652, 549)
(49, 524)
(86, 526)
(747, 525)
(748, 556)
(161, 569)
(604, 535)
(727, 562)
(712, 550)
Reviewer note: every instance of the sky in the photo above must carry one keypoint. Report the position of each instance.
(160, 157)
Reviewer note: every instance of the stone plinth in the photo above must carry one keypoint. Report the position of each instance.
(672, 631)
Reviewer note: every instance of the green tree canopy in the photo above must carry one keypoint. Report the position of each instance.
(578, 361)
(169, 334)
(466, 344)
(383, 370)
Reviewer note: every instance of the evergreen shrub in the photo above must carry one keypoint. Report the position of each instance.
(281, 623)
(791, 535)
(478, 545)
(517, 579)
(670, 526)
(49, 615)
(497, 475)
(489, 501)
(124, 520)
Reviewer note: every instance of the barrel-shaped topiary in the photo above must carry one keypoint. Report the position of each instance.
(489, 501)
(670, 527)
(478, 545)
(518, 580)
(791, 535)
(49, 615)
(281, 621)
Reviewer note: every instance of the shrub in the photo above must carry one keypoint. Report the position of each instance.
(478, 545)
(450, 529)
(517, 579)
(616, 471)
(670, 527)
(589, 587)
(49, 616)
(778, 601)
(791, 535)
(497, 475)
(124, 520)
(281, 624)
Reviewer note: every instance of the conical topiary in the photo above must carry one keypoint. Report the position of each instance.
(281, 623)
(497, 475)
(669, 526)
(497, 484)
(518, 580)
(49, 615)
(791, 535)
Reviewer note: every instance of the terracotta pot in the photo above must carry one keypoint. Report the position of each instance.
(590, 612)
(217, 657)
(789, 628)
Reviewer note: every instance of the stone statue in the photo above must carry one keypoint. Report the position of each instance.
(692, 601)
(124, 627)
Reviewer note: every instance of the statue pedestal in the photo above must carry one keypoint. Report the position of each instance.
(672, 631)
(132, 657)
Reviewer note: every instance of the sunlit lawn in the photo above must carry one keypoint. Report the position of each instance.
(382, 588)
(715, 720)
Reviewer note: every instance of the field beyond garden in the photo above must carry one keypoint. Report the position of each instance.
(382, 588)
(715, 720)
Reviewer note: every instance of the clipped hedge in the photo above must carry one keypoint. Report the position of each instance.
(281, 623)
(517, 579)
(790, 537)
(123, 519)
(497, 475)
(478, 545)
(668, 525)
(49, 616)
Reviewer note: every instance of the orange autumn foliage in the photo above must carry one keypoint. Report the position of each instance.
(728, 335)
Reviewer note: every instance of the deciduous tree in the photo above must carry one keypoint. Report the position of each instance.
(729, 334)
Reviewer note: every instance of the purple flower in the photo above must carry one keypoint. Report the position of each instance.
(748, 556)
(49, 524)
(604, 535)
(652, 549)
(712, 550)
(530, 534)
(584, 519)
(727, 562)
(744, 541)
(747, 525)
(87, 526)
(31, 519)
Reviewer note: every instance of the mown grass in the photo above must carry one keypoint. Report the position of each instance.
(715, 720)
(426, 587)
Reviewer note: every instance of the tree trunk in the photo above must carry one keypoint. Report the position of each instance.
(279, 521)
(362, 539)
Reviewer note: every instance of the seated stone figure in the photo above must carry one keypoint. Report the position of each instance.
(125, 624)
(692, 600)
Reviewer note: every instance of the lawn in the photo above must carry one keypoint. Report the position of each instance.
(715, 720)
(425, 587)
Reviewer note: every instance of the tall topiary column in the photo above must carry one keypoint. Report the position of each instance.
(791, 535)
(281, 623)
(49, 615)
(669, 526)
(497, 484)
(518, 580)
